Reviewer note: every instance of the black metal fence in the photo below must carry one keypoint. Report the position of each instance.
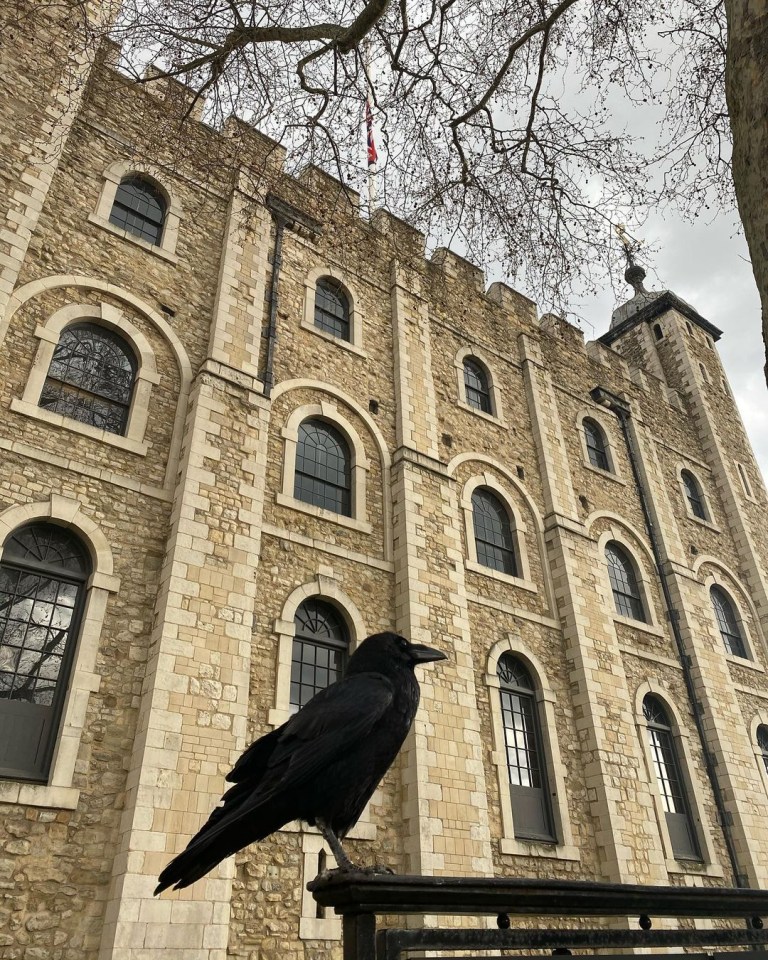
(363, 899)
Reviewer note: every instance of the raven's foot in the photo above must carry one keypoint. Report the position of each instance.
(378, 869)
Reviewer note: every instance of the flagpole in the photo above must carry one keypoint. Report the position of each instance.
(371, 155)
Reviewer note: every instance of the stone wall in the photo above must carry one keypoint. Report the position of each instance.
(204, 554)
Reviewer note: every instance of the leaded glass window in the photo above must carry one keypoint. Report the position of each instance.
(476, 386)
(626, 592)
(596, 446)
(666, 766)
(762, 743)
(494, 541)
(139, 208)
(727, 623)
(42, 581)
(693, 495)
(319, 650)
(526, 766)
(323, 469)
(91, 378)
(332, 308)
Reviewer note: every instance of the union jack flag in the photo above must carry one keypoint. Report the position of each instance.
(372, 155)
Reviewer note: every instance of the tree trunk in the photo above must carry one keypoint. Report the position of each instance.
(746, 84)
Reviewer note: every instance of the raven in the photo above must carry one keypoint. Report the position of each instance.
(321, 766)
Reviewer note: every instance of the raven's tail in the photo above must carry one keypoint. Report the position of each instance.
(220, 837)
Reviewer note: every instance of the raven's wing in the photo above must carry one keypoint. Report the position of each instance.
(333, 721)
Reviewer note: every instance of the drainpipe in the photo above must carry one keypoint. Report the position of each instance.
(622, 410)
(285, 216)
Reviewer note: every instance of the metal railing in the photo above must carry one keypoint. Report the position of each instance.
(362, 899)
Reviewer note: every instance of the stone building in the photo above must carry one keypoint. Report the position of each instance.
(242, 428)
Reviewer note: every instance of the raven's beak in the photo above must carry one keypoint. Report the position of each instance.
(421, 654)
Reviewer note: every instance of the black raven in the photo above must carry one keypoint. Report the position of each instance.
(321, 766)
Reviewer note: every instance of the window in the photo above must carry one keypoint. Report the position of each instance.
(494, 542)
(658, 332)
(668, 775)
(139, 208)
(762, 744)
(42, 585)
(323, 473)
(744, 480)
(727, 623)
(597, 450)
(693, 495)
(624, 585)
(332, 308)
(476, 386)
(319, 650)
(526, 764)
(91, 378)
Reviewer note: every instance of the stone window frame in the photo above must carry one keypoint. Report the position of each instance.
(643, 577)
(114, 174)
(746, 483)
(146, 377)
(356, 320)
(760, 719)
(658, 332)
(564, 847)
(324, 587)
(707, 521)
(519, 533)
(480, 356)
(594, 414)
(59, 792)
(730, 587)
(359, 466)
(708, 865)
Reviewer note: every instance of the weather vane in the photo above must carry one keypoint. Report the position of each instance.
(634, 274)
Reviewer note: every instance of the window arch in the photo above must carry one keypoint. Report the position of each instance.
(139, 208)
(477, 386)
(624, 583)
(526, 762)
(332, 308)
(320, 649)
(597, 448)
(666, 765)
(727, 622)
(43, 571)
(494, 539)
(761, 737)
(323, 475)
(658, 332)
(693, 494)
(91, 377)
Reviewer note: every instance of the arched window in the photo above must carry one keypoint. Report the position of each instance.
(658, 332)
(669, 777)
(597, 449)
(332, 308)
(91, 378)
(42, 586)
(323, 468)
(476, 386)
(320, 650)
(727, 623)
(762, 744)
(139, 208)
(626, 592)
(693, 494)
(494, 542)
(526, 763)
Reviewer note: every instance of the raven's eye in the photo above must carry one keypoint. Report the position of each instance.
(403, 644)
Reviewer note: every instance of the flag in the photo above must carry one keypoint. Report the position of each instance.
(372, 155)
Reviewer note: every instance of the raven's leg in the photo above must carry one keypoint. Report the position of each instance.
(335, 844)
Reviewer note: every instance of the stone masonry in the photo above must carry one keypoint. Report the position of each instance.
(202, 554)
